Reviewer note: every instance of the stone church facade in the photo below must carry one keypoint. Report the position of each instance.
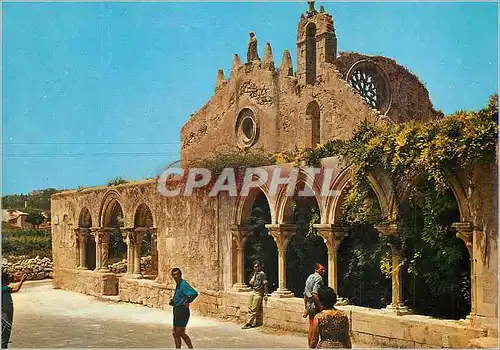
(275, 108)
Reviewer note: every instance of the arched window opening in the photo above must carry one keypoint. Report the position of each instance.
(313, 115)
(306, 247)
(114, 220)
(87, 247)
(439, 270)
(260, 245)
(364, 258)
(310, 54)
(143, 224)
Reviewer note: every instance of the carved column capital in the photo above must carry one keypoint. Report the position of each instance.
(138, 234)
(81, 234)
(240, 235)
(332, 235)
(464, 232)
(281, 234)
(126, 232)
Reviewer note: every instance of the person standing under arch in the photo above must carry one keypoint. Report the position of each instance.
(259, 283)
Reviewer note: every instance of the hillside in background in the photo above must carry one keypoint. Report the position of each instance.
(35, 200)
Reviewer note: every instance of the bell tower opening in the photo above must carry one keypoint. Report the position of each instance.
(311, 53)
(316, 43)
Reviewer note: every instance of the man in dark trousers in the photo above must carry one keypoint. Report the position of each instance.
(311, 300)
(258, 282)
(184, 294)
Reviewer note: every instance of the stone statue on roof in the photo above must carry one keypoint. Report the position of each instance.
(252, 54)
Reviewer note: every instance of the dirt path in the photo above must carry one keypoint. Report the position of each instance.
(50, 318)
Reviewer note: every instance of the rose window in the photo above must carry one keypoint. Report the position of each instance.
(368, 80)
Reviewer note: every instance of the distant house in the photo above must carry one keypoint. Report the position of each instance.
(15, 218)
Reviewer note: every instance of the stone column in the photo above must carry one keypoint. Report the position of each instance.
(94, 231)
(240, 234)
(126, 236)
(332, 236)
(102, 247)
(396, 305)
(81, 239)
(154, 249)
(136, 240)
(282, 234)
(464, 232)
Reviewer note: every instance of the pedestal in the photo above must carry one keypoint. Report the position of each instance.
(240, 287)
(283, 293)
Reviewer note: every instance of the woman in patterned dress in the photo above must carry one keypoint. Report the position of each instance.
(331, 324)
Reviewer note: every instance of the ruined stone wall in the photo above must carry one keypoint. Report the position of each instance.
(212, 128)
(280, 103)
(341, 110)
(226, 217)
(187, 229)
(64, 250)
(85, 281)
(410, 98)
(368, 326)
(279, 106)
(481, 188)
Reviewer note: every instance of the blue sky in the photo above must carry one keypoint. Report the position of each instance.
(92, 91)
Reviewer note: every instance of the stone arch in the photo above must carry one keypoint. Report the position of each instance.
(284, 209)
(310, 53)
(142, 254)
(111, 208)
(244, 236)
(143, 216)
(86, 248)
(111, 247)
(313, 115)
(460, 197)
(244, 204)
(379, 182)
(85, 218)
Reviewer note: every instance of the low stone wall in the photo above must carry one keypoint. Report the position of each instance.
(86, 281)
(34, 268)
(121, 266)
(369, 326)
(414, 331)
(145, 292)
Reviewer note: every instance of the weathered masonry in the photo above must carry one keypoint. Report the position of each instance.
(274, 108)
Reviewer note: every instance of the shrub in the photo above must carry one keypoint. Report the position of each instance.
(27, 242)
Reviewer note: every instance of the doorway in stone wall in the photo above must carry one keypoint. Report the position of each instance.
(260, 245)
(306, 247)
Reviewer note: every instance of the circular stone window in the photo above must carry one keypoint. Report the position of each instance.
(369, 80)
(246, 128)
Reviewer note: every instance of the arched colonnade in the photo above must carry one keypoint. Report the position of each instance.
(112, 219)
(282, 228)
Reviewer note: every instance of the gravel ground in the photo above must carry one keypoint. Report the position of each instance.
(52, 318)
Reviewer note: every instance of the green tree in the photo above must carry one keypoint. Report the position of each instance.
(117, 181)
(35, 218)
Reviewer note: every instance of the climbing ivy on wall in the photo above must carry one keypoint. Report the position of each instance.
(418, 157)
(260, 245)
(306, 247)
